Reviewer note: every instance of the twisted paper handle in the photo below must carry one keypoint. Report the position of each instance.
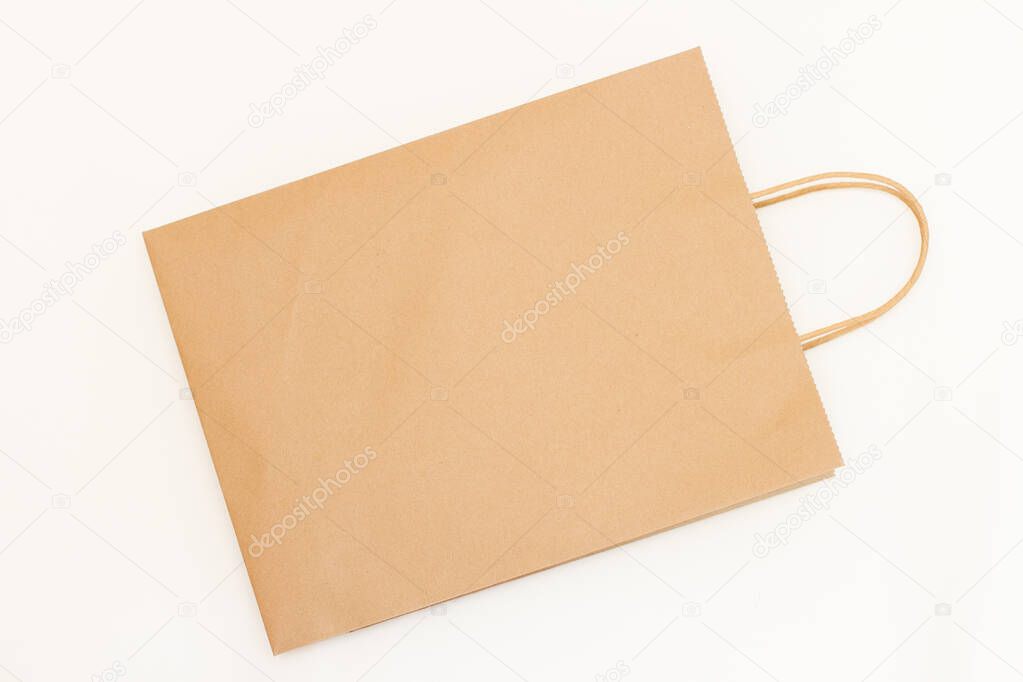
(813, 183)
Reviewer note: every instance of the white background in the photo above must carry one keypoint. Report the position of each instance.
(116, 552)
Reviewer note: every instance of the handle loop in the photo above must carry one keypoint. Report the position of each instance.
(771, 195)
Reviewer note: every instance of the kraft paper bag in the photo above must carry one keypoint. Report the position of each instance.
(490, 351)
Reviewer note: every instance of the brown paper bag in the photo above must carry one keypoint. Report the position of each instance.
(509, 345)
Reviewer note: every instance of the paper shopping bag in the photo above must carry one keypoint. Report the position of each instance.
(490, 351)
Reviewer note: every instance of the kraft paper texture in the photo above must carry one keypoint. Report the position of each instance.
(490, 351)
